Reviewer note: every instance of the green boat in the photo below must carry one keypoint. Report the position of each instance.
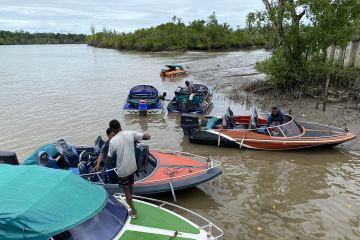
(39, 203)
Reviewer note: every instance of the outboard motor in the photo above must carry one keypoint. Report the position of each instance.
(228, 120)
(142, 158)
(8, 158)
(142, 107)
(253, 119)
(189, 122)
(68, 152)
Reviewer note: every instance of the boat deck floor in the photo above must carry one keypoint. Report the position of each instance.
(156, 218)
(317, 131)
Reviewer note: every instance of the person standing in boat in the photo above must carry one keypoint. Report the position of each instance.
(191, 90)
(123, 145)
(276, 117)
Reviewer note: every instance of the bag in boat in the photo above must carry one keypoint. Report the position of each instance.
(68, 152)
(142, 156)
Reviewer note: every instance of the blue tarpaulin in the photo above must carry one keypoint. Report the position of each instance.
(144, 90)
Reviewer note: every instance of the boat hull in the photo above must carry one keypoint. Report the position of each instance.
(252, 140)
(148, 111)
(155, 188)
(179, 108)
(173, 73)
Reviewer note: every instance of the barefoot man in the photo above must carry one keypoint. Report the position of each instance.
(123, 145)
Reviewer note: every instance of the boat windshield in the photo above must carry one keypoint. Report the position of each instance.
(105, 225)
(289, 129)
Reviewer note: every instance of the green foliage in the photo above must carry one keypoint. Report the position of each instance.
(21, 37)
(303, 29)
(175, 35)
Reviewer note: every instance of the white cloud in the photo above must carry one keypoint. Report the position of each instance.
(121, 15)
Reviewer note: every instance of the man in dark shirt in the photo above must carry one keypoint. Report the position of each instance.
(113, 178)
(162, 97)
(275, 117)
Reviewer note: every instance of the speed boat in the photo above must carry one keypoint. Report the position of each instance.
(42, 203)
(251, 131)
(199, 105)
(172, 70)
(166, 171)
(143, 99)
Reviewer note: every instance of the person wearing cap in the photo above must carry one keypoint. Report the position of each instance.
(46, 161)
(275, 117)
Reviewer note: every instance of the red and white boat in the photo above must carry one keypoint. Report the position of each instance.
(250, 131)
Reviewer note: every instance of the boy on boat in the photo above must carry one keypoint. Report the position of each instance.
(123, 145)
(103, 154)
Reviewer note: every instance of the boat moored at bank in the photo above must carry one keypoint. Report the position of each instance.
(251, 131)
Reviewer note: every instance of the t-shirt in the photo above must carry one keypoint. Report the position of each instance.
(123, 144)
(192, 88)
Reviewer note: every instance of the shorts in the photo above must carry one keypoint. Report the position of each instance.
(191, 97)
(125, 182)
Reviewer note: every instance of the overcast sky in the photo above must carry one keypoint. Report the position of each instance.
(77, 16)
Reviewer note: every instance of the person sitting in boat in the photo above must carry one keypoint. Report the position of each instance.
(123, 145)
(113, 178)
(191, 90)
(46, 161)
(276, 117)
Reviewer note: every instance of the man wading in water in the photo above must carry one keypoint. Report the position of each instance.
(123, 145)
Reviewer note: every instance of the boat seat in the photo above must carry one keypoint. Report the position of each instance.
(211, 123)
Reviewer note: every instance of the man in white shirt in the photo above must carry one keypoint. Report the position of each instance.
(123, 145)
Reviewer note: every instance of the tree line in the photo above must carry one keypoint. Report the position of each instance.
(176, 35)
(22, 37)
(302, 30)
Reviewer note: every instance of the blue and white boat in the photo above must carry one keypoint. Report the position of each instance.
(143, 99)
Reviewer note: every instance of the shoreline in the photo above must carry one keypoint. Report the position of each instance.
(184, 50)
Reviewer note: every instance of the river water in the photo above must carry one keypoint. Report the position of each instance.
(72, 91)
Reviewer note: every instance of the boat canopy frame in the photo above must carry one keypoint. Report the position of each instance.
(175, 66)
(284, 126)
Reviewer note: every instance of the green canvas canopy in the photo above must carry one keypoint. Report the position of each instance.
(38, 202)
(175, 66)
